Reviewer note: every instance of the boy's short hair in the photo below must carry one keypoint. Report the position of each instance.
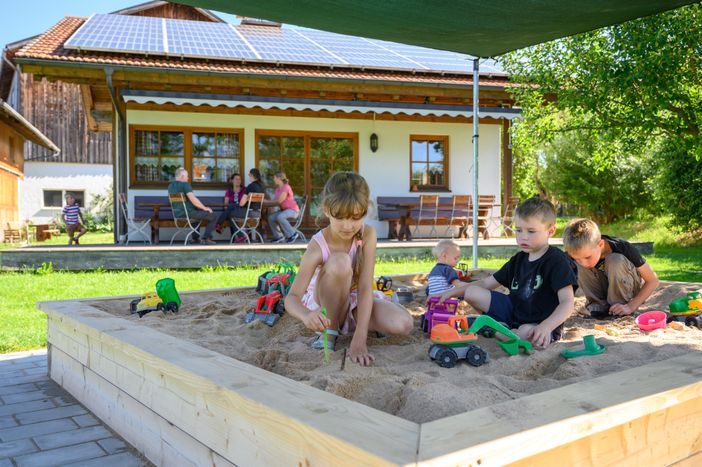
(68, 195)
(442, 246)
(537, 206)
(580, 233)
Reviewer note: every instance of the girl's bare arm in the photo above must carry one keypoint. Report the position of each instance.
(313, 319)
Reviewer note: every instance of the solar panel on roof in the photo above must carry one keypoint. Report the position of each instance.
(186, 38)
(116, 33)
(207, 40)
(285, 45)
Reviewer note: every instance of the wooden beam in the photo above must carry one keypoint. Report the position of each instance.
(598, 420)
(506, 164)
(88, 106)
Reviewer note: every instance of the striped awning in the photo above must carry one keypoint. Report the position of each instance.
(284, 103)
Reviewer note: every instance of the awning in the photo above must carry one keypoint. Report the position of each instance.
(476, 27)
(15, 120)
(283, 103)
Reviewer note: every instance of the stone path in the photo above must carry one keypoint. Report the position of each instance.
(42, 425)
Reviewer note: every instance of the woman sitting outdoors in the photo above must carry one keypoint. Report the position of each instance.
(279, 220)
(234, 194)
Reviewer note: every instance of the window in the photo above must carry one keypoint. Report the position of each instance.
(209, 155)
(307, 158)
(428, 163)
(56, 198)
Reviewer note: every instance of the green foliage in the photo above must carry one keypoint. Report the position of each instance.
(45, 269)
(100, 217)
(623, 88)
(679, 185)
(603, 193)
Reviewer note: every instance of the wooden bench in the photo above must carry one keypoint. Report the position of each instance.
(165, 215)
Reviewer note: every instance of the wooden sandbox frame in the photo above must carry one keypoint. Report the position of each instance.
(181, 404)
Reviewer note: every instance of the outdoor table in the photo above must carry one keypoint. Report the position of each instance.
(406, 207)
(44, 231)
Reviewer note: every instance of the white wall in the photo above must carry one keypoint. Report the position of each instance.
(387, 170)
(93, 179)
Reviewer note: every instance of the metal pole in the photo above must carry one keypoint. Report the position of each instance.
(476, 70)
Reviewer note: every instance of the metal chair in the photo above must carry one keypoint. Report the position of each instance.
(461, 214)
(136, 227)
(428, 213)
(252, 218)
(302, 204)
(182, 223)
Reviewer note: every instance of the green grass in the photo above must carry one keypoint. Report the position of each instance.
(90, 238)
(23, 327)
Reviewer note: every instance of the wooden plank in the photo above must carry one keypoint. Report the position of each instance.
(246, 414)
(513, 430)
(694, 460)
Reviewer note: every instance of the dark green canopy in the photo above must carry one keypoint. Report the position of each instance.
(482, 28)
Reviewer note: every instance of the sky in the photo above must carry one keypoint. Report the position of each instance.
(26, 18)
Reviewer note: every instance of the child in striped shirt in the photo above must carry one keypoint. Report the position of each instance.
(443, 278)
(73, 218)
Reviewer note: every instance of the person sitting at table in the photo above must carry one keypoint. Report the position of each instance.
(255, 186)
(232, 196)
(195, 208)
(278, 221)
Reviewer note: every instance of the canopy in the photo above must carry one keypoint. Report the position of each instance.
(480, 28)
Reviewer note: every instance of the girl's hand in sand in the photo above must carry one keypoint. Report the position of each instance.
(620, 309)
(316, 321)
(358, 353)
(540, 336)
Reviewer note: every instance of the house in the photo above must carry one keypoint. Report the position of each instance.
(14, 131)
(84, 167)
(220, 99)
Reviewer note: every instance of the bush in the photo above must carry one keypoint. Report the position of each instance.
(574, 175)
(678, 183)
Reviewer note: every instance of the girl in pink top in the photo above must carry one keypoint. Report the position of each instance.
(279, 221)
(336, 272)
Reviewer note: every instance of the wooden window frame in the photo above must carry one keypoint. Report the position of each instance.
(187, 153)
(431, 188)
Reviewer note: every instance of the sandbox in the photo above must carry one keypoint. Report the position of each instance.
(180, 403)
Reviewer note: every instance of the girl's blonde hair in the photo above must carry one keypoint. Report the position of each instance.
(282, 177)
(346, 196)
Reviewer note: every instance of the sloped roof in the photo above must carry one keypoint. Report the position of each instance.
(49, 47)
(15, 120)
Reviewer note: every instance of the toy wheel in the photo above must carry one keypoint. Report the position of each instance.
(431, 349)
(160, 307)
(476, 356)
(446, 358)
(692, 321)
(280, 307)
(670, 318)
(133, 304)
(172, 307)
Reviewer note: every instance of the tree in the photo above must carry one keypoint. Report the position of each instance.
(632, 86)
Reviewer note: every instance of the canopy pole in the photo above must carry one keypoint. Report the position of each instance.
(476, 70)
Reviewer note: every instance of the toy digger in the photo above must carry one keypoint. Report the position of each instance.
(268, 309)
(455, 340)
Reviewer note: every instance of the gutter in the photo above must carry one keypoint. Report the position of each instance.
(263, 76)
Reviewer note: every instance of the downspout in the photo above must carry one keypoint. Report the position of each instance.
(119, 167)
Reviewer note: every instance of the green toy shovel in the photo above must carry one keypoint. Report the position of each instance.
(591, 347)
(325, 340)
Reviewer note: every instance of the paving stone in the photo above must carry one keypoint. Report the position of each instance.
(86, 420)
(21, 380)
(69, 438)
(112, 445)
(39, 370)
(24, 397)
(19, 364)
(64, 400)
(37, 429)
(24, 408)
(15, 448)
(125, 459)
(7, 421)
(49, 414)
(60, 456)
(6, 463)
(14, 389)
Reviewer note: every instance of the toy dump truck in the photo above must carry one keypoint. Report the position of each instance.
(437, 313)
(454, 340)
(269, 308)
(165, 298)
(286, 273)
(687, 309)
(463, 271)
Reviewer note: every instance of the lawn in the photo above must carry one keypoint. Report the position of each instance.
(23, 327)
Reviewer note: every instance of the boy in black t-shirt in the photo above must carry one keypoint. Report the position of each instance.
(540, 280)
(610, 270)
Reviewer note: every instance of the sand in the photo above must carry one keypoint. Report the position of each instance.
(403, 380)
